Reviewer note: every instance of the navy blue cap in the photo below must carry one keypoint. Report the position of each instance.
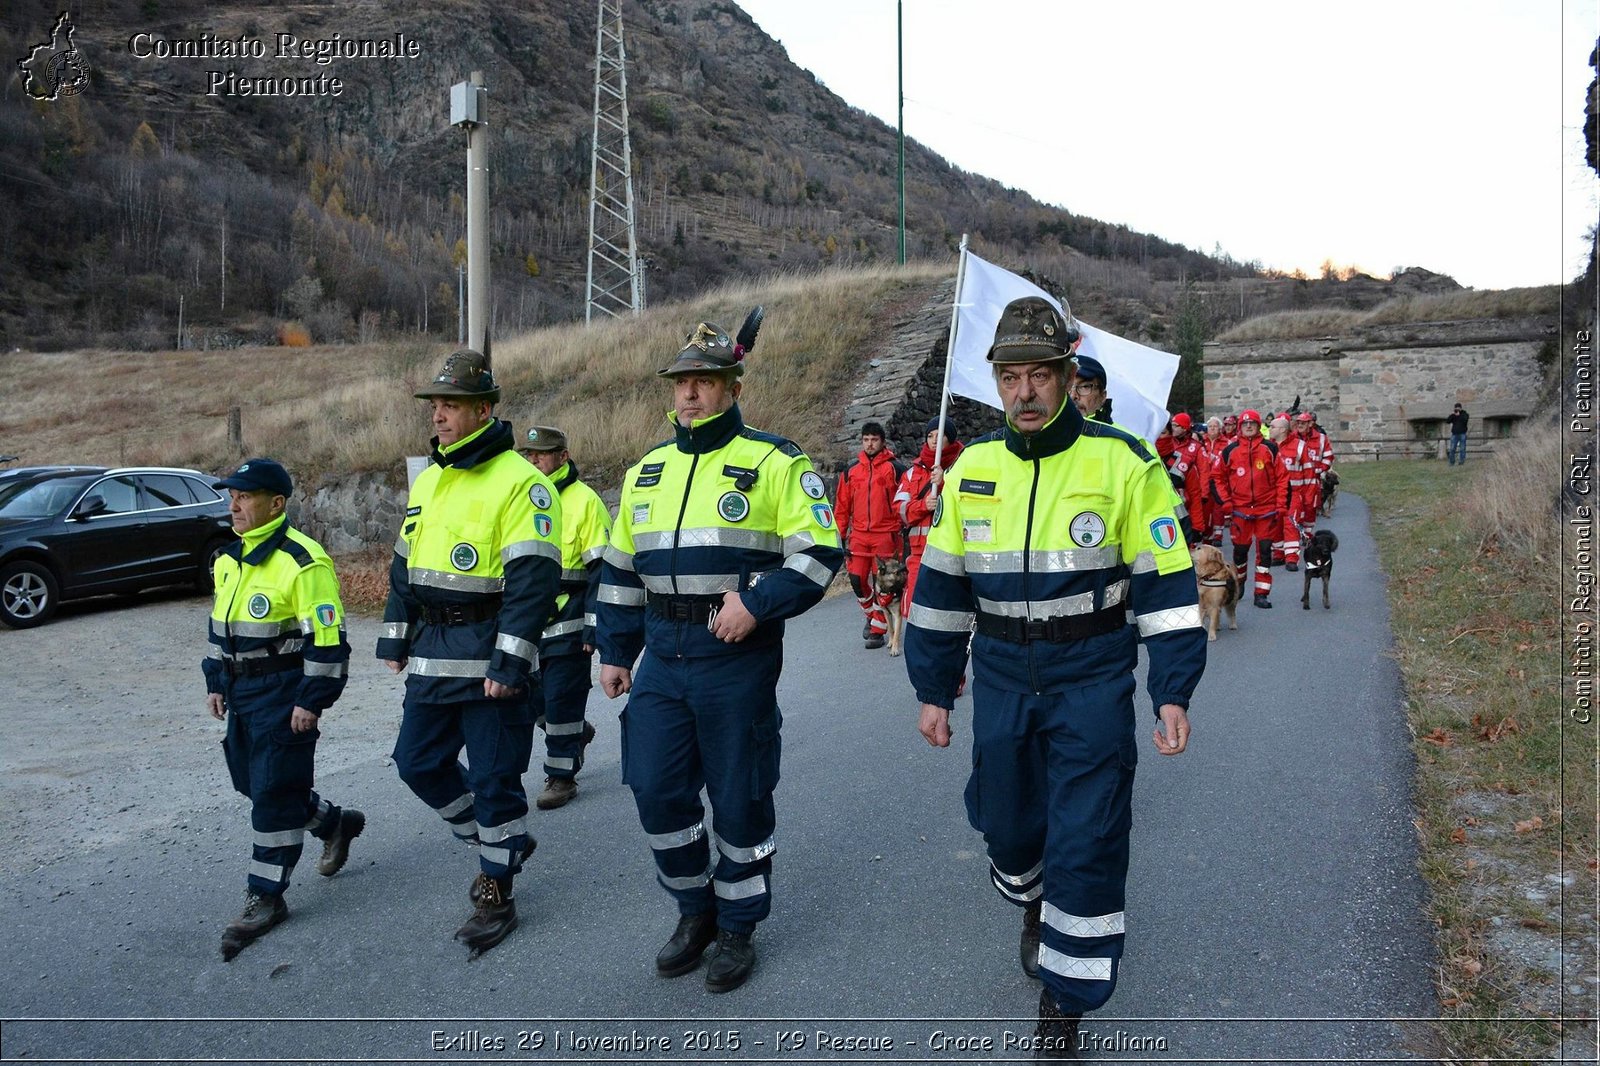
(256, 474)
(1089, 369)
(945, 430)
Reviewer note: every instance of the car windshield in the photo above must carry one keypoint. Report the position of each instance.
(39, 499)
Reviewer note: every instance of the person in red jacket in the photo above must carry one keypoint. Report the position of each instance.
(1211, 449)
(1294, 467)
(918, 497)
(1318, 458)
(1249, 492)
(1187, 468)
(869, 523)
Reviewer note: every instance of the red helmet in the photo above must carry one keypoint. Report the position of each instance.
(1183, 421)
(1250, 415)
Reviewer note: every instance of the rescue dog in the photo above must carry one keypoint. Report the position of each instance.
(1219, 588)
(1316, 557)
(1330, 485)
(889, 581)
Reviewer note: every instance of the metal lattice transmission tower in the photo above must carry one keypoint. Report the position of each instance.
(615, 287)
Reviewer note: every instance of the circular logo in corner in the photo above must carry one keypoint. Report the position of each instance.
(811, 485)
(463, 556)
(259, 606)
(733, 507)
(1088, 529)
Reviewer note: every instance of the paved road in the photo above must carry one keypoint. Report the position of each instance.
(1275, 911)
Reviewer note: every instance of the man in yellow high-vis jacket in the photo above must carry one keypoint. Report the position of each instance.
(278, 660)
(474, 576)
(1048, 532)
(721, 534)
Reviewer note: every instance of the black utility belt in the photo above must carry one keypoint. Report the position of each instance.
(461, 614)
(261, 666)
(683, 608)
(1060, 628)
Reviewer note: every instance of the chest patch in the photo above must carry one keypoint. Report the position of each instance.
(733, 506)
(641, 513)
(977, 488)
(977, 531)
(259, 606)
(1088, 529)
(1261, 464)
(539, 496)
(463, 556)
(811, 484)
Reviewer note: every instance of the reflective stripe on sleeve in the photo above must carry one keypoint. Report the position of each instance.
(594, 554)
(539, 548)
(944, 562)
(573, 577)
(1143, 563)
(805, 564)
(944, 621)
(561, 629)
(401, 548)
(316, 669)
(1173, 618)
(394, 631)
(619, 559)
(522, 649)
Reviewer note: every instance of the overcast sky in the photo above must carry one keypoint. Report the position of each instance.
(1446, 134)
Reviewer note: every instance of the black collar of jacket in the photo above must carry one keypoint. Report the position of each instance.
(709, 435)
(263, 551)
(1057, 435)
(488, 444)
(565, 476)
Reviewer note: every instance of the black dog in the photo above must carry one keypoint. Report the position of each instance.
(1330, 486)
(1316, 555)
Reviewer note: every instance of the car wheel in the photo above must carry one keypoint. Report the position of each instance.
(29, 595)
(208, 566)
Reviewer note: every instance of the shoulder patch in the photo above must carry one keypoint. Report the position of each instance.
(782, 444)
(1135, 444)
(298, 553)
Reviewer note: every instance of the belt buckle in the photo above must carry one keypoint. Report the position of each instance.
(1034, 630)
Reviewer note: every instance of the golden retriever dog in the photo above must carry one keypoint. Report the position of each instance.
(1219, 588)
(889, 580)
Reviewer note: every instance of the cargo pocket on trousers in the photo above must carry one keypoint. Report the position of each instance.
(296, 758)
(1117, 818)
(238, 769)
(766, 749)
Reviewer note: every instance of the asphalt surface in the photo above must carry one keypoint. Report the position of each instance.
(1275, 912)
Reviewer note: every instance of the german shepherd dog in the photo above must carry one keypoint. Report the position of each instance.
(1316, 558)
(1219, 588)
(889, 581)
(1330, 486)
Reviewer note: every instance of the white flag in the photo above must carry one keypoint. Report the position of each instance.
(1138, 379)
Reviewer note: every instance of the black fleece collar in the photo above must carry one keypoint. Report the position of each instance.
(489, 442)
(709, 434)
(1057, 435)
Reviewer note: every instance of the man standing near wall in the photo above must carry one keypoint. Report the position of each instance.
(1457, 452)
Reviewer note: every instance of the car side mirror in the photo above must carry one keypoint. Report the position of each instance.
(91, 506)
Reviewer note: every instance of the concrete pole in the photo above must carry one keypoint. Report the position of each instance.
(478, 220)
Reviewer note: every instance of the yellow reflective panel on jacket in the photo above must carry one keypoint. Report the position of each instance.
(292, 591)
(462, 525)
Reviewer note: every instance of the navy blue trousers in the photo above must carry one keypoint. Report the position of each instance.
(484, 801)
(274, 766)
(559, 704)
(709, 723)
(1051, 791)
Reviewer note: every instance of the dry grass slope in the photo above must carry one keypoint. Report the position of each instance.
(324, 410)
(1437, 307)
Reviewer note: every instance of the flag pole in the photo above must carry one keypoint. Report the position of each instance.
(950, 351)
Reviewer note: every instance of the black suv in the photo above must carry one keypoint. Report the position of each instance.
(73, 531)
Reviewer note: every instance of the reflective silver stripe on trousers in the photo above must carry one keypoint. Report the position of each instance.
(560, 764)
(944, 621)
(563, 729)
(494, 834)
(755, 854)
(668, 841)
(1167, 621)
(320, 815)
(316, 669)
(1020, 879)
(1077, 925)
(440, 579)
(1038, 610)
(562, 629)
(467, 831)
(750, 886)
(1021, 897)
(268, 872)
(1062, 560)
(620, 559)
(394, 631)
(696, 881)
(1069, 966)
(621, 596)
(449, 667)
(808, 566)
(502, 856)
(456, 806)
(708, 537)
(522, 649)
(543, 549)
(401, 548)
(943, 561)
(285, 838)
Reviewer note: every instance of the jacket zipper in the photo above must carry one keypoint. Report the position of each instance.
(677, 532)
(1027, 568)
